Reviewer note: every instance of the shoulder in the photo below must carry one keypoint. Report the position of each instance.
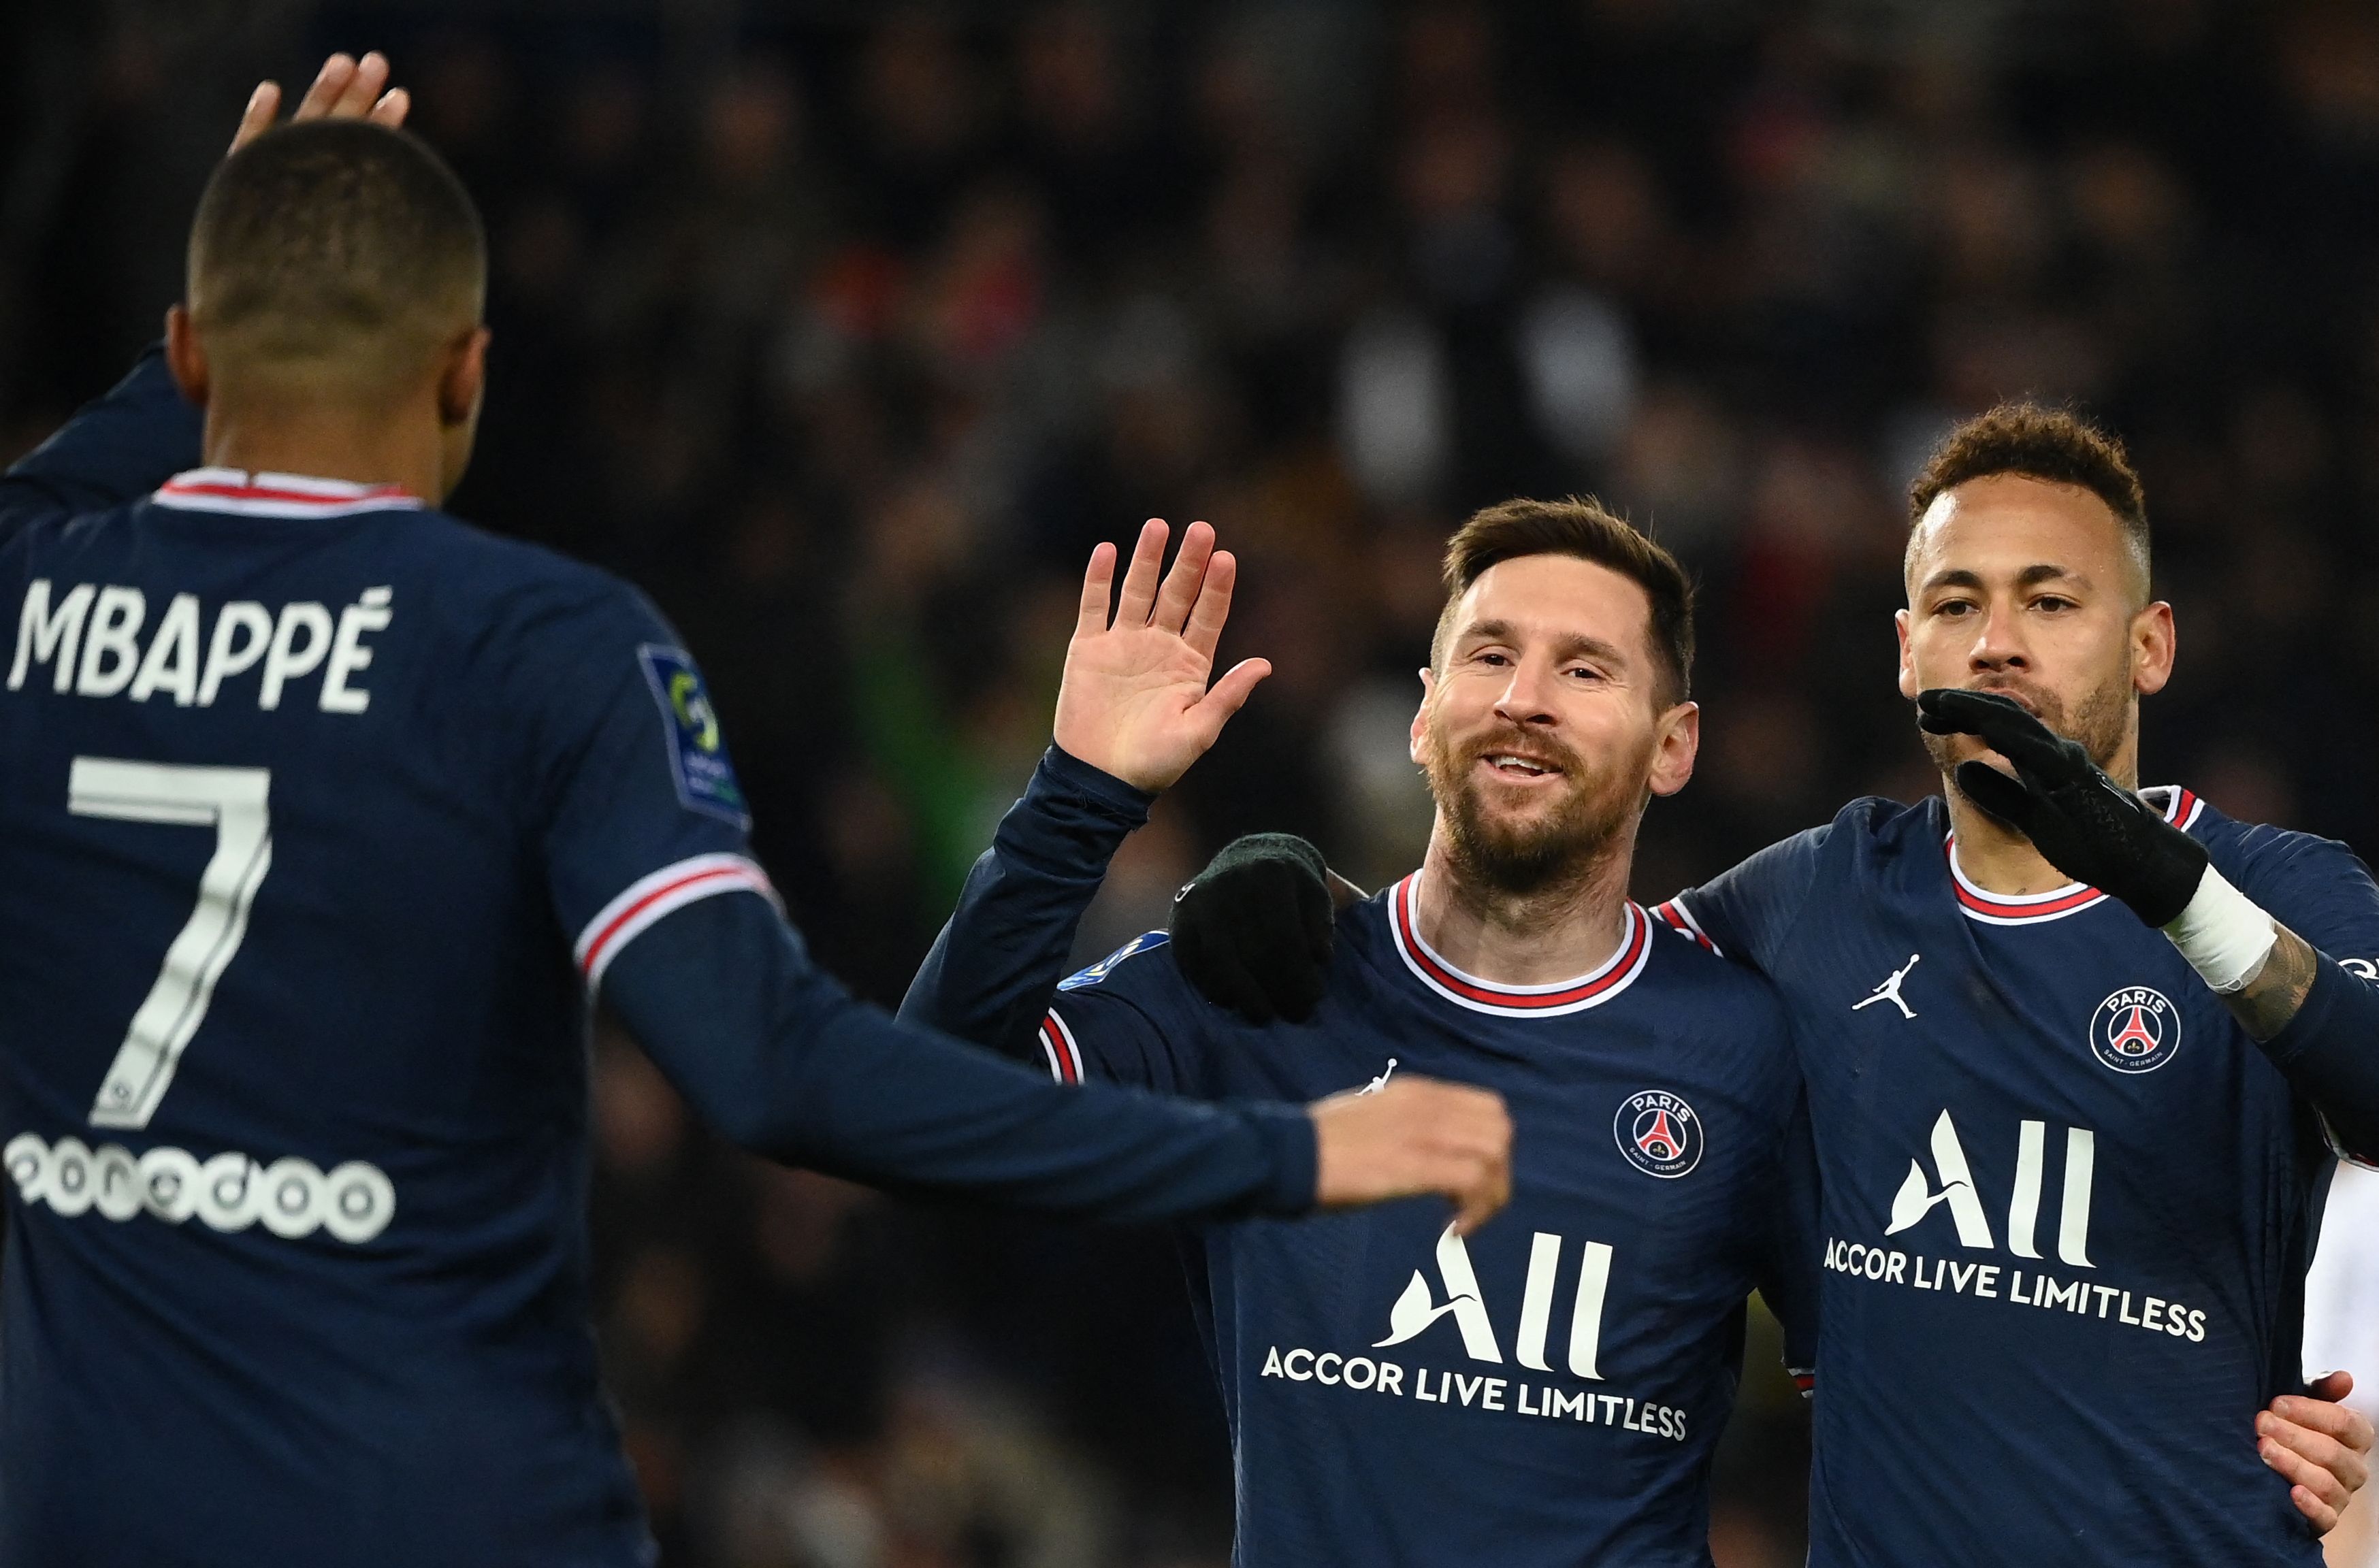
(534, 625)
(1140, 972)
(52, 542)
(1865, 829)
(525, 587)
(2297, 875)
(1687, 972)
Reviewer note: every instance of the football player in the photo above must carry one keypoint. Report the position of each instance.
(1549, 1391)
(324, 818)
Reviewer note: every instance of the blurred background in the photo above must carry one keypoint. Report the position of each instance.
(847, 328)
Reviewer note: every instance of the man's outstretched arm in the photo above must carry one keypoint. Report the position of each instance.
(776, 1056)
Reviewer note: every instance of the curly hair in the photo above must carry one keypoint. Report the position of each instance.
(2037, 443)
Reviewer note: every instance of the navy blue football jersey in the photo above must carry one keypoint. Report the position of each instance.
(322, 815)
(2068, 1201)
(1548, 1390)
(286, 787)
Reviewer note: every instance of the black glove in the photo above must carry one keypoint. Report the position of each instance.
(1254, 930)
(2083, 822)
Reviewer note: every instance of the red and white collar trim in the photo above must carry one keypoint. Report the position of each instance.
(1617, 973)
(2180, 807)
(246, 494)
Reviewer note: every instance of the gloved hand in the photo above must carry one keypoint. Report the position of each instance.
(1253, 931)
(2083, 822)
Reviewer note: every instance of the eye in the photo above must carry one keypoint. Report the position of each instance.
(1585, 672)
(1954, 607)
(1489, 656)
(2054, 603)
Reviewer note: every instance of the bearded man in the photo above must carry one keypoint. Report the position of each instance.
(1549, 1390)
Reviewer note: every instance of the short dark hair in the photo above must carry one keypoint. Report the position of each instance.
(336, 242)
(2037, 443)
(1580, 527)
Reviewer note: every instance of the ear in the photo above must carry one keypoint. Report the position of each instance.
(1418, 751)
(1680, 743)
(463, 379)
(1908, 686)
(184, 357)
(2154, 644)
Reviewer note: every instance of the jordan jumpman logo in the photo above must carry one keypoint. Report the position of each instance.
(1890, 989)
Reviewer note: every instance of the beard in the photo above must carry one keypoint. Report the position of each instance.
(2100, 722)
(1551, 848)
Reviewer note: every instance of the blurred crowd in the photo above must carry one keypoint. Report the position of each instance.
(847, 331)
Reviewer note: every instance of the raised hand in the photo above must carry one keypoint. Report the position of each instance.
(1135, 702)
(1414, 1136)
(345, 89)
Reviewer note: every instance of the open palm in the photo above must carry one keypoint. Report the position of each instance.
(1135, 702)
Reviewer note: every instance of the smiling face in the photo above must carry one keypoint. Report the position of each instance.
(1546, 722)
(2028, 587)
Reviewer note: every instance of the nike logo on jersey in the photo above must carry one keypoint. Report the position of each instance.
(1890, 989)
(92, 637)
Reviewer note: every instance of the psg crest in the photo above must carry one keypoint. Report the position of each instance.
(1659, 1133)
(2136, 1030)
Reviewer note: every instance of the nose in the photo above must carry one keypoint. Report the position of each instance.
(1527, 697)
(1998, 642)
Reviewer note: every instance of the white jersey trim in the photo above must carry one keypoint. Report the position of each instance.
(666, 891)
(1680, 919)
(243, 493)
(1979, 903)
(1613, 976)
(1063, 1052)
(2180, 806)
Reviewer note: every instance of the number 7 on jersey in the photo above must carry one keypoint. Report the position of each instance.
(232, 802)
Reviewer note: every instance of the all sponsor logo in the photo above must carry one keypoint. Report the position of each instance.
(1918, 1196)
(1659, 1133)
(1419, 1308)
(2044, 1237)
(2136, 1030)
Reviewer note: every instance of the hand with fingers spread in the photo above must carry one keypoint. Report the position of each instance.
(1135, 702)
(345, 89)
(2083, 822)
(2321, 1446)
(1414, 1136)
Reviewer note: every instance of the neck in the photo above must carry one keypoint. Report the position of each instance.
(1998, 858)
(1564, 929)
(390, 443)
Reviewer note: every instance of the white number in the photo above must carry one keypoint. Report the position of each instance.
(232, 801)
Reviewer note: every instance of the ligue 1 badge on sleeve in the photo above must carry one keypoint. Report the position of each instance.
(2136, 1030)
(1659, 1133)
(698, 764)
